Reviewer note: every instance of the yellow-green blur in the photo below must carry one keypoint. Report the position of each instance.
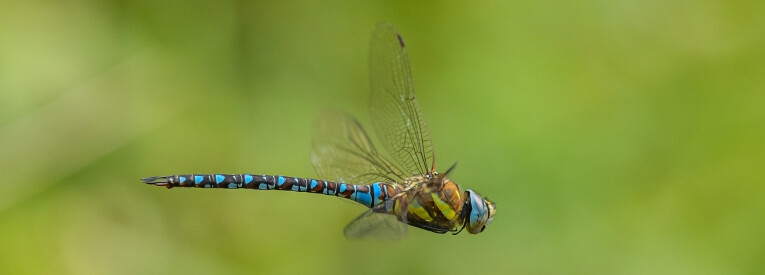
(615, 137)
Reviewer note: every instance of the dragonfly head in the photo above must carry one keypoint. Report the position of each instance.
(480, 212)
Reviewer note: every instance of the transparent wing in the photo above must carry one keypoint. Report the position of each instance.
(341, 151)
(396, 115)
(376, 223)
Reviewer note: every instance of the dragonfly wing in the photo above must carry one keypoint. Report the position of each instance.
(396, 115)
(378, 224)
(342, 152)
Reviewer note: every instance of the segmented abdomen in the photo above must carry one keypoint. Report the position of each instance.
(368, 195)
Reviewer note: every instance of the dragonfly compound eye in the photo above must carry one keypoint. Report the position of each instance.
(479, 213)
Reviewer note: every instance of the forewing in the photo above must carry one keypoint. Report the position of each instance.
(376, 223)
(342, 152)
(396, 115)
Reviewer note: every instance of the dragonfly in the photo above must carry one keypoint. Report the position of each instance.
(400, 189)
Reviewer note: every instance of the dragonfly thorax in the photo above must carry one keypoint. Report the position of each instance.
(439, 205)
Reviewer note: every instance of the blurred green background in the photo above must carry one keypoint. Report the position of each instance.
(615, 136)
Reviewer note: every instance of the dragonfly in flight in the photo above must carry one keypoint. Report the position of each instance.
(400, 189)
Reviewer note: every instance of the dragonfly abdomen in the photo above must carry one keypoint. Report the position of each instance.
(367, 195)
(373, 194)
(247, 181)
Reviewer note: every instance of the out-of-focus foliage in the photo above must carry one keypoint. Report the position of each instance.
(615, 136)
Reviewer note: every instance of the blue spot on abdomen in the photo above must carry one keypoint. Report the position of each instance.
(376, 190)
(364, 198)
